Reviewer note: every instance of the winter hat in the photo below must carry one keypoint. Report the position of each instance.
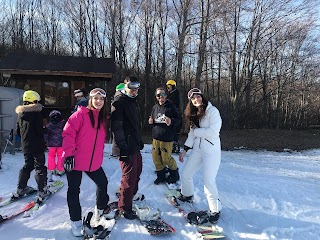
(194, 91)
(78, 93)
(54, 114)
(120, 87)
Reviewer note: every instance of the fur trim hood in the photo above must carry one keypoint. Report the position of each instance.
(29, 108)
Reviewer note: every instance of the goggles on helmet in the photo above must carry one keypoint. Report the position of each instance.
(194, 91)
(96, 91)
(133, 85)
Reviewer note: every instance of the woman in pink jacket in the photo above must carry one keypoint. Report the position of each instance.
(83, 142)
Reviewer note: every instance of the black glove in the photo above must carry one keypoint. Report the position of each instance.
(69, 163)
(124, 154)
(141, 145)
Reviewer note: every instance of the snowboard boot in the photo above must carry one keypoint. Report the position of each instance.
(129, 214)
(214, 217)
(173, 177)
(185, 199)
(23, 191)
(161, 176)
(76, 228)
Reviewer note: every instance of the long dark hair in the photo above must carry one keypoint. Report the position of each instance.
(102, 118)
(194, 114)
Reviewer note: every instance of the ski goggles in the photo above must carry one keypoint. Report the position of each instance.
(96, 91)
(133, 85)
(194, 91)
(160, 95)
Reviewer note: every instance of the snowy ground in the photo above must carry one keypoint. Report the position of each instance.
(265, 195)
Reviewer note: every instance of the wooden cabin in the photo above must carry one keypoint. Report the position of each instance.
(56, 77)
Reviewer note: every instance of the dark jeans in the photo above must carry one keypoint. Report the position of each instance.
(74, 180)
(33, 161)
(131, 171)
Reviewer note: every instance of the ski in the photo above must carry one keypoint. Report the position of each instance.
(105, 227)
(205, 228)
(52, 188)
(4, 218)
(13, 199)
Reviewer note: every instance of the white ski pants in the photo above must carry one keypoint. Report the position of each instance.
(210, 163)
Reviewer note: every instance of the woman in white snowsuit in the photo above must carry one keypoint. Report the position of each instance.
(204, 141)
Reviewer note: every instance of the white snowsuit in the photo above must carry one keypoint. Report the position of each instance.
(205, 152)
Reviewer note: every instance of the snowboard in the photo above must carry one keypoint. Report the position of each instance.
(103, 230)
(13, 199)
(196, 218)
(52, 188)
(27, 207)
(154, 224)
(152, 221)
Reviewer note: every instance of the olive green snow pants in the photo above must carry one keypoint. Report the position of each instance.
(161, 155)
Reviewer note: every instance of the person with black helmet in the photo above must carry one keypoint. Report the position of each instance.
(30, 130)
(125, 125)
(174, 97)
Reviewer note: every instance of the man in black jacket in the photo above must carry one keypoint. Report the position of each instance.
(174, 97)
(30, 129)
(125, 124)
(164, 118)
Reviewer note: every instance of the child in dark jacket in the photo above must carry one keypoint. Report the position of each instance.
(53, 138)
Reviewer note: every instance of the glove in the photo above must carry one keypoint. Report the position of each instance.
(124, 154)
(141, 145)
(69, 163)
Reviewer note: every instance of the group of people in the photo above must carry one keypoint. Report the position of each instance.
(79, 144)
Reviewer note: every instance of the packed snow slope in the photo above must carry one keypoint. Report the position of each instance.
(265, 195)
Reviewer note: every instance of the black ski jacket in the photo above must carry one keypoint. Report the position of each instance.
(30, 128)
(174, 97)
(125, 125)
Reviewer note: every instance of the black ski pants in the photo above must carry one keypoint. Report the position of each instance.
(33, 161)
(74, 181)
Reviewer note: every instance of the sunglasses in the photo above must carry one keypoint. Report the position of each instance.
(194, 91)
(160, 94)
(133, 85)
(96, 91)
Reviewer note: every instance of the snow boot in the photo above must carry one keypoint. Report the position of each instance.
(174, 176)
(76, 228)
(161, 176)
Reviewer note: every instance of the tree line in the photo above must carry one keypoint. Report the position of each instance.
(256, 60)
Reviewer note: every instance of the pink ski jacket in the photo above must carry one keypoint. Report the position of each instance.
(82, 141)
